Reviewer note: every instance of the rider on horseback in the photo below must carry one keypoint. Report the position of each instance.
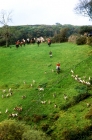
(58, 67)
(49, 42)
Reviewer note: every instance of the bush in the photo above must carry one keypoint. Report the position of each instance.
(78, 134)
(34, 135)
(89, 41)
(81, 40)
(72, 38)
(13, 130)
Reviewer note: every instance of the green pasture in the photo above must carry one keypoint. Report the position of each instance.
(19, 67)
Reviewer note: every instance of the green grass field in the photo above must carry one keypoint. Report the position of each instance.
(19, 67)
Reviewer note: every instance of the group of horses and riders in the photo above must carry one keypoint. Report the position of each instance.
(23, 42)
(18, 43)
(39, 41)
(28, 41)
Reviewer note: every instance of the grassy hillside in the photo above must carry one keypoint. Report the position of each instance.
(58, 117)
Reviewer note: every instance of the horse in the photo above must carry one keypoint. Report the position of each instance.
(49, 42)
(32, 41)
(38, 42)
(17, 44)
(58, 70)
(28, 41)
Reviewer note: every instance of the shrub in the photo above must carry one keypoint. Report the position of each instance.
(89, 41)
(78, 134)
(34, 135)
(72, 38)
(81, 40)
(13, 130)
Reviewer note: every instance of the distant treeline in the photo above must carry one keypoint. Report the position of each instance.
(13, 33)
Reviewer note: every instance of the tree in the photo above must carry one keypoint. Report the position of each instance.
(84, 7)
(5, 18)
(85, 29)
(62, 36)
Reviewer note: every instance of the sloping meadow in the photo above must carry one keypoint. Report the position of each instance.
(31, 88)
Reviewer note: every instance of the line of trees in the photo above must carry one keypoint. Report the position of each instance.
(15, 33)
(10, 34)
(58, 32)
